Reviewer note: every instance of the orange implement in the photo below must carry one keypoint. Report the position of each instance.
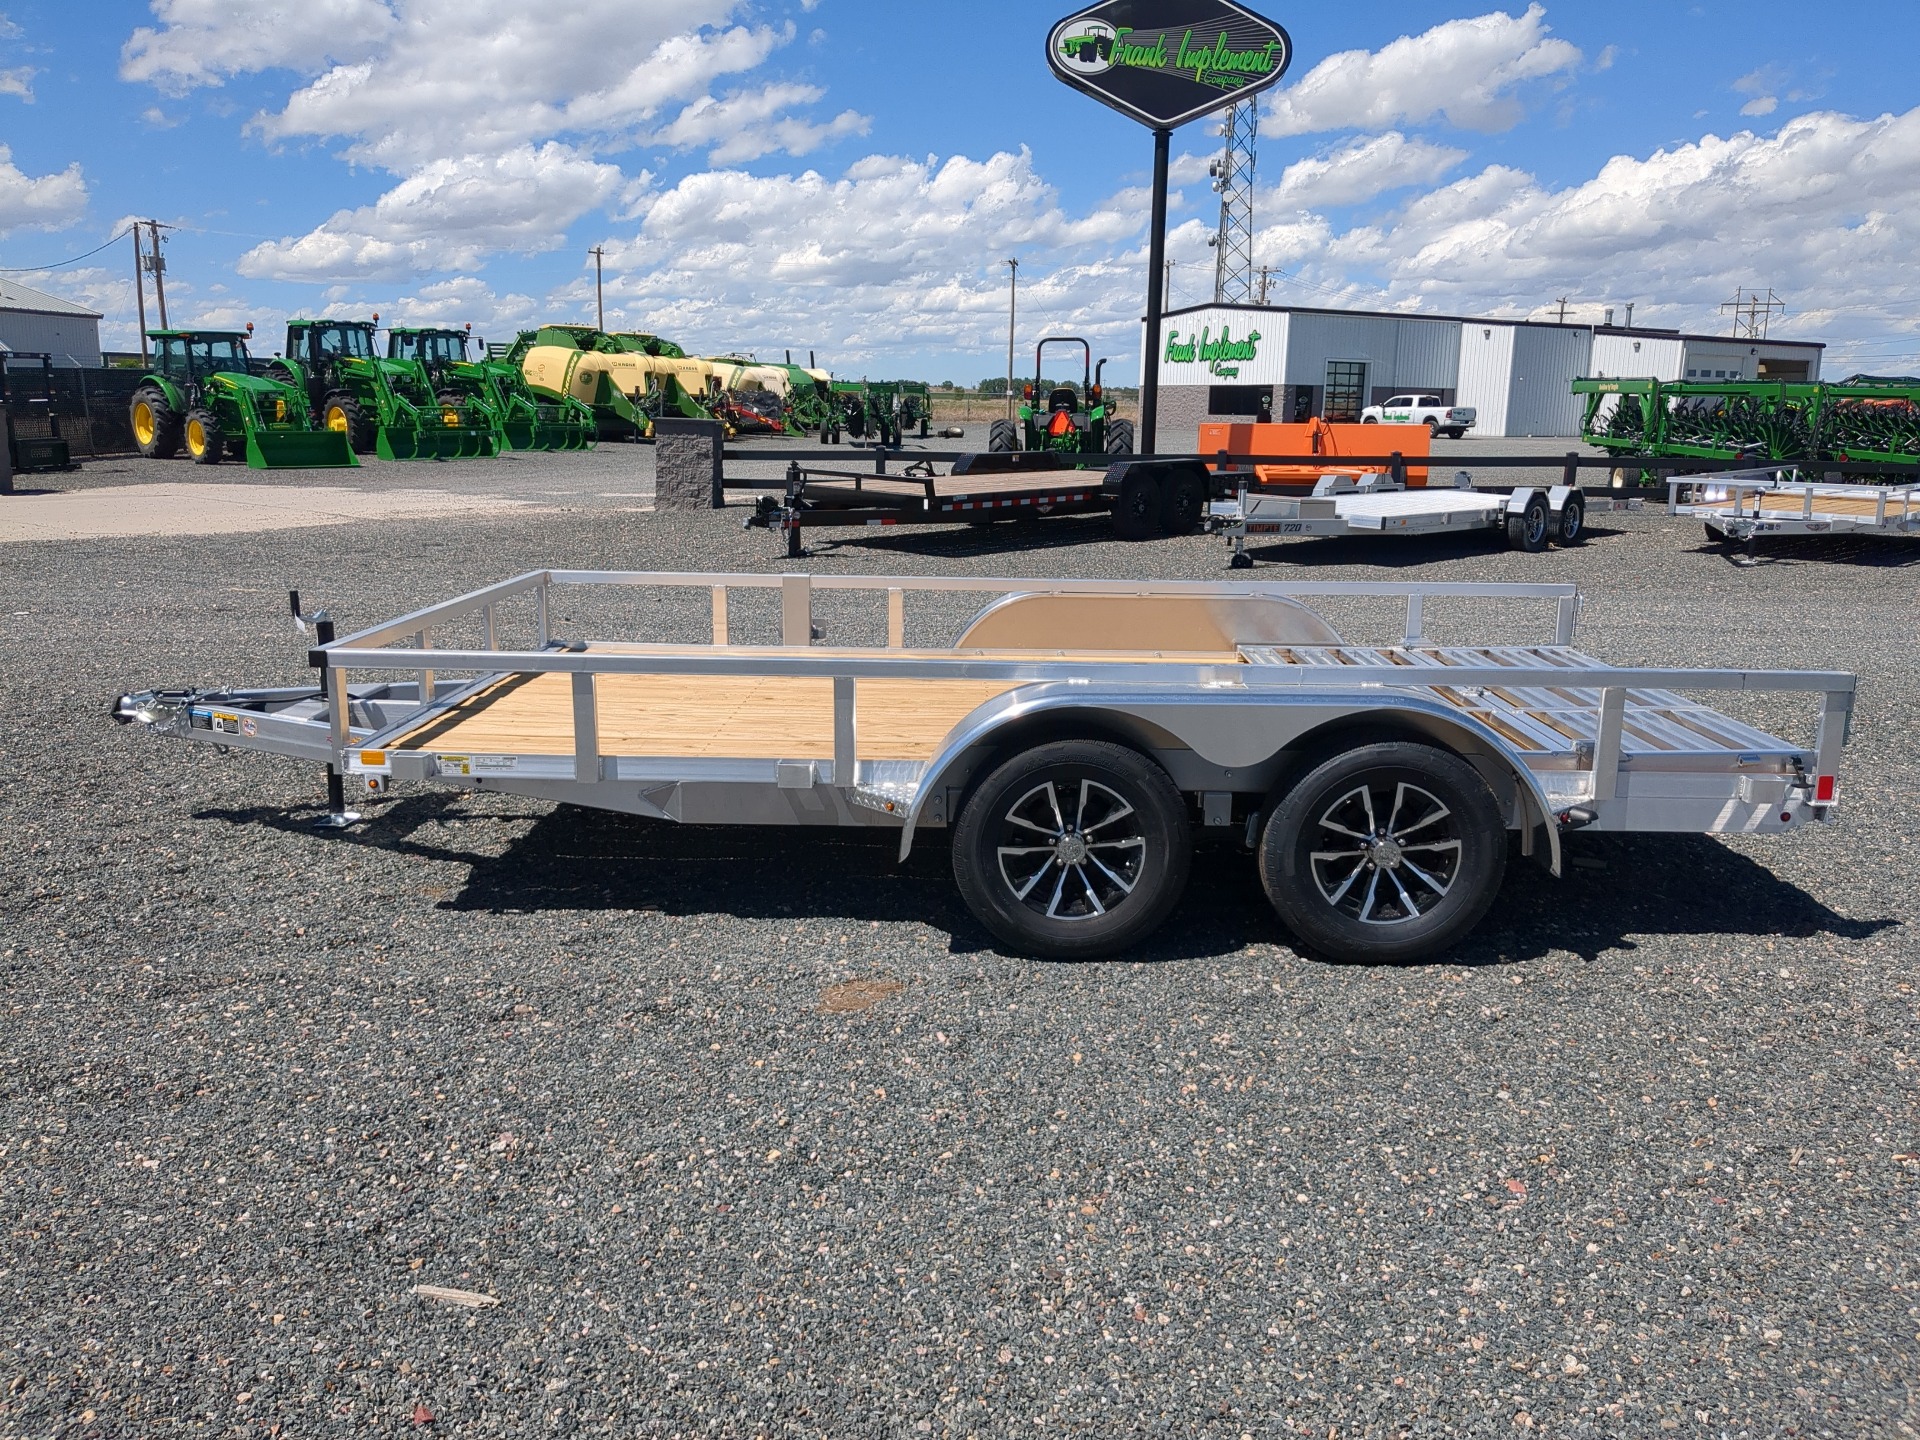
(1317, 437)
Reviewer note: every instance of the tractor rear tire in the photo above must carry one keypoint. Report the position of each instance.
(206, 443)
(341, 411)
(1120, 438)
(1136, 509)
(1183, 500)
(1003, 437)
(156, 428)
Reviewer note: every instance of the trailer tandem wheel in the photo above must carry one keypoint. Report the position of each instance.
(1073, 850)
(1384, 854)
(1532, 527)
(1136, 509)
(1571, 526)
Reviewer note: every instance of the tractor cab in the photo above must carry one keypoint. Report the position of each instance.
(321, 344)
(189, 356)
(435, 349)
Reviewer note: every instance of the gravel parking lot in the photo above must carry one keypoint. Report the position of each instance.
(747, 1134)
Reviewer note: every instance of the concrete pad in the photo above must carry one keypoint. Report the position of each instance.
(131, 510)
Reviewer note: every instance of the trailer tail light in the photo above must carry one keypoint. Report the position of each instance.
(1826, 789)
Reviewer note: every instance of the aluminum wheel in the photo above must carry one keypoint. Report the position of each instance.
(1071, 851)
(1386, 853)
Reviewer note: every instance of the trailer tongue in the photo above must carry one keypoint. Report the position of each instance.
(1072, 734)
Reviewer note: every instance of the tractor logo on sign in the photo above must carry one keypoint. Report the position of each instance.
(1165, 62)
(1086, 47)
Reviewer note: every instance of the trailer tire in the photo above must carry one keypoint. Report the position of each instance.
(156, 428)
(1183, 500)
(1440, 844)
(340, 411)
(1136, 509)
(1120, 438)
(1003, 437)
(1531, 528)
(1570, 525)
(1099, 823)
(206, 444)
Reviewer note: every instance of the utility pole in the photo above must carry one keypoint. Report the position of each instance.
(1266, 279)
(157, 263)
(1166, 287)
(599, 286)
(140, 292)
(1013, 316)
(1233, 179)
(1753, 312)
(1563, 309)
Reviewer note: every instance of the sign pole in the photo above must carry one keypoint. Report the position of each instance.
(1164, 63)
(1156, 262)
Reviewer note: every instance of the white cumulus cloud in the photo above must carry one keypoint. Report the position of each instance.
(1465, 70)
(1362, 169)
(448, 215)
(39, 202)
(205, 42)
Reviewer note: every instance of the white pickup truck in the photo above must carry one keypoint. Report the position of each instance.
(1452, 421)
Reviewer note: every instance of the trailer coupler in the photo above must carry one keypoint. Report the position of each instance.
(167, 711)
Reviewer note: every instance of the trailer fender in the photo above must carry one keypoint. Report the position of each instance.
(1232, 729)
(1558, 495)
(1517, 501)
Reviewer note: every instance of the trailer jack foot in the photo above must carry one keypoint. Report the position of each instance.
(338, 817)
(1240, 561)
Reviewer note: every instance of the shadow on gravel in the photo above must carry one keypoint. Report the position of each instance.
(1388, 552)
(1878, 552)
(998, 537)
(1617, 890)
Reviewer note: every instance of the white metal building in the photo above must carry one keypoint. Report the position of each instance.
(1229, 359)
(36, 322)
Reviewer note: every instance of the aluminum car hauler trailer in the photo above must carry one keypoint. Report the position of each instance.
(1347, 503)
(1072, 735)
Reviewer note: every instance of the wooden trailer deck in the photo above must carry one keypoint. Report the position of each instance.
(792, 718)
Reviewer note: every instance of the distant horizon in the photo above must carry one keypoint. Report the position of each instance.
(764, 175)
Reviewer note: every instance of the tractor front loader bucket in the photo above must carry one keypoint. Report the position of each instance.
(428, 438)
(300, 450)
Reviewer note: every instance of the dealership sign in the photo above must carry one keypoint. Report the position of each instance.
(1165, 62)
(1221, 354)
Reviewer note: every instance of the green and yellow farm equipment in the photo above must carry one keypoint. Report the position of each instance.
(628, 380)
(1861, 419)
(1064, 422)
(205, 396)
(384, 407)
(520, 418)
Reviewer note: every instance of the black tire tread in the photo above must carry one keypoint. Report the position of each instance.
(1152, 793)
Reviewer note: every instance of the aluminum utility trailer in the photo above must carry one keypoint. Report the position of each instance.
(1072, 734)
(1742, 504)
(1146, 498)
(1379, 503)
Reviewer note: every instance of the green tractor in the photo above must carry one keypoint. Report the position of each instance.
(384, 407)
(1066, 423)
(204, 396)
(520, 418)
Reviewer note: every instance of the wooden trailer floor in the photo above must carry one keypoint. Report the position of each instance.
(728, 717)
(711, 718)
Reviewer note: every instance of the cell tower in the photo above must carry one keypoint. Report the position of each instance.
(1233, 282)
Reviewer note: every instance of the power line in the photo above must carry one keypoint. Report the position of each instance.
(62, 264)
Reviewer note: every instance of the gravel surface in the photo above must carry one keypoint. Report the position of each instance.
(749, 1134)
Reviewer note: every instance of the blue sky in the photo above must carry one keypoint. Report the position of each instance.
(828, 175)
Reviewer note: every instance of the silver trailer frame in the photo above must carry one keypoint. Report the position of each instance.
(1529, 517)
(1562, 741)
(1739, 505)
